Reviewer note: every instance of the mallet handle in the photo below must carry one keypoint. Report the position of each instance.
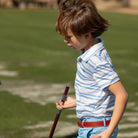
(58, 113)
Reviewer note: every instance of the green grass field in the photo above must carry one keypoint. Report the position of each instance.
(30, 47)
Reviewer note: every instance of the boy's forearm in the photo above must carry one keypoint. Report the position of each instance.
(120, 105)
(73, 103)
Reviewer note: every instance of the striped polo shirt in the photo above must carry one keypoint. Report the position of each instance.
(95, 72)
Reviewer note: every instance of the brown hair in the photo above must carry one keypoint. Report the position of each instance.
(81, 17)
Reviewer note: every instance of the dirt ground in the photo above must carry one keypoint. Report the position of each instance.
(114, 6)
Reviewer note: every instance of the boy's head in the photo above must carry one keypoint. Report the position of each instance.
(63, 4)
(81, 17)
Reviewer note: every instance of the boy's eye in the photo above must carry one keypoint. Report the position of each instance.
(68, 37)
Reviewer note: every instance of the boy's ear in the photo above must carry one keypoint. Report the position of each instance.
(88, 35)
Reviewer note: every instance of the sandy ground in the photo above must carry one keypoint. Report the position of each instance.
(114, 6)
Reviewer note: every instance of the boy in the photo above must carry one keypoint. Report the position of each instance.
(100, 96)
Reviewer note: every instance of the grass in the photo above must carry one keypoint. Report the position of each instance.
(30, 45)
(15, 114)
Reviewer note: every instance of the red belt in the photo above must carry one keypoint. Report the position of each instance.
(92, 124)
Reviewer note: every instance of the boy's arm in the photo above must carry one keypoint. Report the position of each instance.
(120, 104)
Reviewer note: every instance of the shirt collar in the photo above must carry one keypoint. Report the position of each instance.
(92, 50)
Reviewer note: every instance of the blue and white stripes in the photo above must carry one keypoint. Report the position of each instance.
(95, 72)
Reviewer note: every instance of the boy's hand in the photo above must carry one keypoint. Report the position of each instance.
(59, 105)
(103, 134)
(70, 102)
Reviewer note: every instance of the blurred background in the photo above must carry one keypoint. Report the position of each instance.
(22, 4)
(36, 66)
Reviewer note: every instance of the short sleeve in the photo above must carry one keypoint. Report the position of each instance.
(105, 74)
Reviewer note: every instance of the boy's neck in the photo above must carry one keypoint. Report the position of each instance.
(91, 43)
